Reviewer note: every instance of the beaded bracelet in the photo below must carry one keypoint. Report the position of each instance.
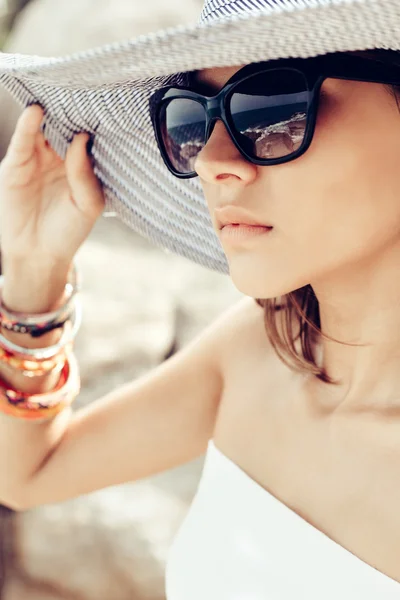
(70, 330)
(39, 324)
(42, 407)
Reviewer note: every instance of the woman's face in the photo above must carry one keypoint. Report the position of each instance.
(332, 208)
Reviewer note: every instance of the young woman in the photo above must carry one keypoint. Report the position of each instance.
(294, 393)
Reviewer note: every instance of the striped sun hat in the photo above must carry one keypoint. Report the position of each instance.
(105, 91)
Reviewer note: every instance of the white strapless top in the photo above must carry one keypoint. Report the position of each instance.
(239, 542)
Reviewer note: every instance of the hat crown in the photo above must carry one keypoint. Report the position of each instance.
(223, 9)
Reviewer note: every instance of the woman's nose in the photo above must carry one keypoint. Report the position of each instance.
(220, 160)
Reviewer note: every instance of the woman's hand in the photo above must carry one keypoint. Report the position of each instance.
(47, 206)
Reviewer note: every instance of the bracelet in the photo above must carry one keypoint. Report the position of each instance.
(70, 330)
(39, 324)
(32, 368)
(35, 331)
(42, 407)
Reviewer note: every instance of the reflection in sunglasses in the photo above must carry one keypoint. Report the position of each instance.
(184, 143)
(278, 139)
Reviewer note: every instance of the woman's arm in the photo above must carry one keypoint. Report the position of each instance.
(157, 422)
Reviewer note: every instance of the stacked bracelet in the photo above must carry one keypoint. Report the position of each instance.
(70, 330)
(32, 368)
(42, 407)
(34, 362)
(38, 325)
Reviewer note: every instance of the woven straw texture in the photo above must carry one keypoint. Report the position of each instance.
(105, 91)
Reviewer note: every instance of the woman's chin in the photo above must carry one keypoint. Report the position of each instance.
(259, 283)
(254, 286)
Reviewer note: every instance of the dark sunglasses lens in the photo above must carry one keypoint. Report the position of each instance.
(269, 113)
(183, 126)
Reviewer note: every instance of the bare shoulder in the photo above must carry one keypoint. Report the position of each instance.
(244, 350)
(242, 318)
(244, 314)
(241, 329)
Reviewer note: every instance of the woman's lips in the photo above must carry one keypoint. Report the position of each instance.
(239, 231)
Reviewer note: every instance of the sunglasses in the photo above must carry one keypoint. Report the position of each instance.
(269, 108)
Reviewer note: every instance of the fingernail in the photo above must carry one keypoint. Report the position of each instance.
(89, 145)
(33, 103)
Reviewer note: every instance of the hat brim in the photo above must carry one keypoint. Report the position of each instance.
(105, 91)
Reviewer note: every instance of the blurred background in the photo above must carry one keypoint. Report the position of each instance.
(140, 306)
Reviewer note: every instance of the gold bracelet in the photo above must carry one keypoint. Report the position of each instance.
(29, 367)
(45, 406)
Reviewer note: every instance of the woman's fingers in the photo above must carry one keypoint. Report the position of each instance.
(23, 142)
(28, 141)
(85, 187)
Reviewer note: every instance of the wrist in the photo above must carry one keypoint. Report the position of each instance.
(34, 288)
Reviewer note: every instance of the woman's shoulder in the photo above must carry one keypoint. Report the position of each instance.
(244, 334)
(246, 342)
(239, 337)
(244, 319)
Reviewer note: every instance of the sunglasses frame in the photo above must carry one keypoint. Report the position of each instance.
(314, 71)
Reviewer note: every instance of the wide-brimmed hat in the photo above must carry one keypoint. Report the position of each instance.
(105, 91)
